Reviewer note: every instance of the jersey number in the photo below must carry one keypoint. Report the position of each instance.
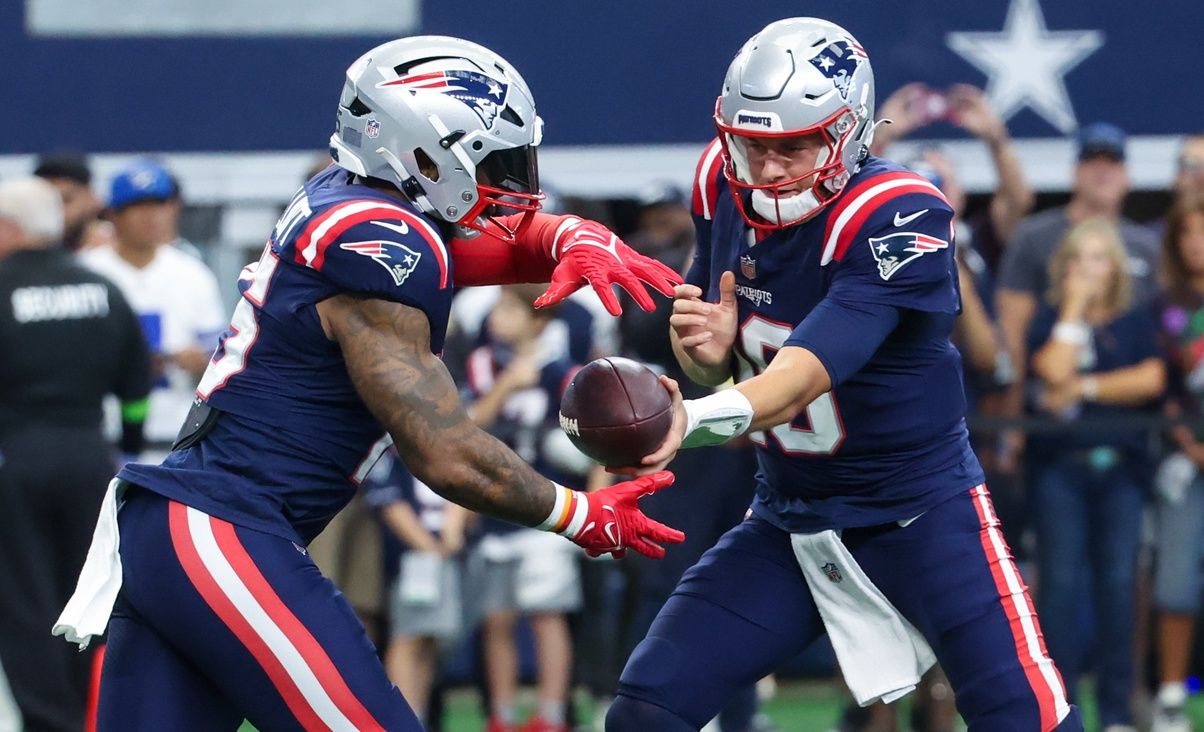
(818, 431)
(231, 356)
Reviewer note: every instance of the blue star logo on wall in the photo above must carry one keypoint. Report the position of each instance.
(1026, 64)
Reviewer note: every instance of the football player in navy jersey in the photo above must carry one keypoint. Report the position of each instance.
(824, 283)
(217, 613)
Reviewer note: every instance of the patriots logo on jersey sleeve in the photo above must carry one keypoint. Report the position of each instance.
(397, 259)
(838, 61)
(894, 251)
(482, 94)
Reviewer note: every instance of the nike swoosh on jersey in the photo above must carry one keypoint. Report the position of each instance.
(404, 228)
(903, 220)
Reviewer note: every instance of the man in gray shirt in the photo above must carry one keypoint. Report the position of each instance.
(1100, 185)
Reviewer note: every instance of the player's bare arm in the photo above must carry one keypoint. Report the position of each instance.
(387, 349)
(795, 378)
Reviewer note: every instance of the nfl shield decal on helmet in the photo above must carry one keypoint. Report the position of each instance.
(748, 266)
(483, 94)
(832, 571)
(896, 250)
(398, 259)
(372, 128)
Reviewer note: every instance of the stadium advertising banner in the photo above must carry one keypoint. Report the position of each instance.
(263, 75)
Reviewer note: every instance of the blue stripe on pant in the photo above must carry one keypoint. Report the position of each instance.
(745, 608)
(216, 623)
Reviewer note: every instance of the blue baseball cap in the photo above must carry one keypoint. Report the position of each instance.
(1101, 138)
(142, 180)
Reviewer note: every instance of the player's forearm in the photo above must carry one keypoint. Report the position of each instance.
(484, 475)
(458, 460)
(699, 373)
(794, 379)
(386, 347)
(488, 260)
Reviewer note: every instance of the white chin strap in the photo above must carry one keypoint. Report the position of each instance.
(784, 210)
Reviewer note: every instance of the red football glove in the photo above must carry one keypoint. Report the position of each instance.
(609, 520)
(589, 252)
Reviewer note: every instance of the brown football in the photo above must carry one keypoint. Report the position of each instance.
(616, 411)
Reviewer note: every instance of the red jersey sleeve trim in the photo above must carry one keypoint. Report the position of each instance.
(706, 180)
(326, 228)
(858, 204)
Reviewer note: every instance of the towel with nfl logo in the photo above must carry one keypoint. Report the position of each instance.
(881, 654)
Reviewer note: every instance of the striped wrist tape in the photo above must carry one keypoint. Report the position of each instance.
(568, 513)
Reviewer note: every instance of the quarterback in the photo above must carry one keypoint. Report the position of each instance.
(825, 283)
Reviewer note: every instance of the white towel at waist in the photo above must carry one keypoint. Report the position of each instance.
(87, 612)
(881, 654)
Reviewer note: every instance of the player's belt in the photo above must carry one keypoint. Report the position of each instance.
(199, 423)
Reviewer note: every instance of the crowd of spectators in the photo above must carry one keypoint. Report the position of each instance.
(1083, 340)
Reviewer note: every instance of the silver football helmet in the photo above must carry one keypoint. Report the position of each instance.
(449, 122)
(798, 76)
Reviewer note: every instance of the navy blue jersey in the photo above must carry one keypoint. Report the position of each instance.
(1127, 340)
(295, 438)
(870, 287)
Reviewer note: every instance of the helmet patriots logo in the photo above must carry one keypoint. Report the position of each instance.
(397, 259)
(482, 94)
(893, 251)
(838, 61)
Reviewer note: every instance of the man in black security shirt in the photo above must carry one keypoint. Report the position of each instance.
(67, 338)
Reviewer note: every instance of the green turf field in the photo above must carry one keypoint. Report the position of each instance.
(796, 707)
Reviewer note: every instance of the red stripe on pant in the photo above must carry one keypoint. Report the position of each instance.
(215, 598)
(996, 556)
(315, 656)
(98, 661)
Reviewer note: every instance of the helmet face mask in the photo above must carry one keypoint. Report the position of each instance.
(506, 179)
(449, 123)
(821, 183)
(797, 77)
